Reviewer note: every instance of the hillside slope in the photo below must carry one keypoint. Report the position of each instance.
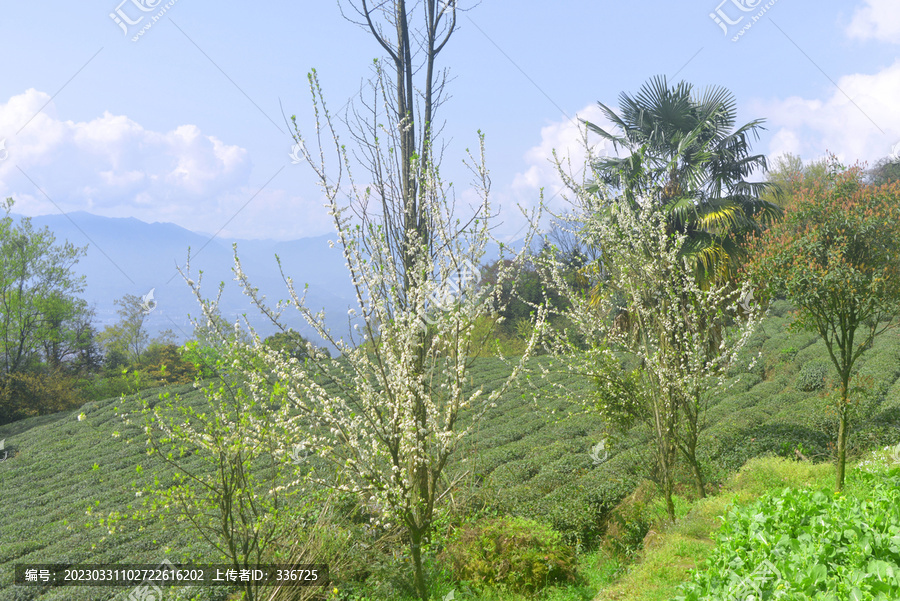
(525, 458)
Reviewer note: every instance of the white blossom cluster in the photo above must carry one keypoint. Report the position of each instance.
(647, 304)
(382, 418)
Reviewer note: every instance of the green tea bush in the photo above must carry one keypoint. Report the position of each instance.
(813, 352)
(880, 367)
(744, 382)
(515, 554)
(812, 376)
(781, 308)
(733, 444)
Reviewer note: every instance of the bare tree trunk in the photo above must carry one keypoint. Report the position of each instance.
(688, 447)
(415, 546)
(843, 433)
(667, 465)
(666, 448)
(698, 476)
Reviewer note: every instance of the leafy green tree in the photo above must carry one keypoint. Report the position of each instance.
(686, 155)
(790, 174)
(128, 336)
(28, 394)
(836, 257)
(885, 171)
(166, 363)
(127, 342)
(40, 311)
(113, 362)
(70, 338)
(238, 500)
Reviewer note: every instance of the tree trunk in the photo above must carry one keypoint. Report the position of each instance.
(689, 450)
(667, 456)
(698, 475)
(843, 436)
(415, 546)
(670, 504)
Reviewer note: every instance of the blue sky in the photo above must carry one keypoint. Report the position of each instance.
(185, 124)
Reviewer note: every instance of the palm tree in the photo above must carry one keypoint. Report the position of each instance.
(684, 153)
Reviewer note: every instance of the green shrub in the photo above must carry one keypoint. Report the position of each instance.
(517, 554)
(96, 387)
(31, 394)
(629, 523)
(166, 364)
(812, 376)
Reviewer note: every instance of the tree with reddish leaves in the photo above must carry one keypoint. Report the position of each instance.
(836, 258)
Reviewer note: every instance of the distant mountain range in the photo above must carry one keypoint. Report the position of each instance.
(129, 256)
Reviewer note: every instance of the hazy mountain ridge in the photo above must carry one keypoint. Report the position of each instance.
(128, 256)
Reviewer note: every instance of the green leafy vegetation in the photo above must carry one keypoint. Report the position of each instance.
(812, 376)
(45, 327)
(685, 153)
(515, 554)
(809, 544)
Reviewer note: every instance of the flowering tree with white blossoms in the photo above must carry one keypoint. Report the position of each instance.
(383, 418)
(651, 307)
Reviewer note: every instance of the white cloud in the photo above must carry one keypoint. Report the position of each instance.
(113, 166)
(864, 128)
(566, 138)
(878, 19)
(783, 142)
(540, 172)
